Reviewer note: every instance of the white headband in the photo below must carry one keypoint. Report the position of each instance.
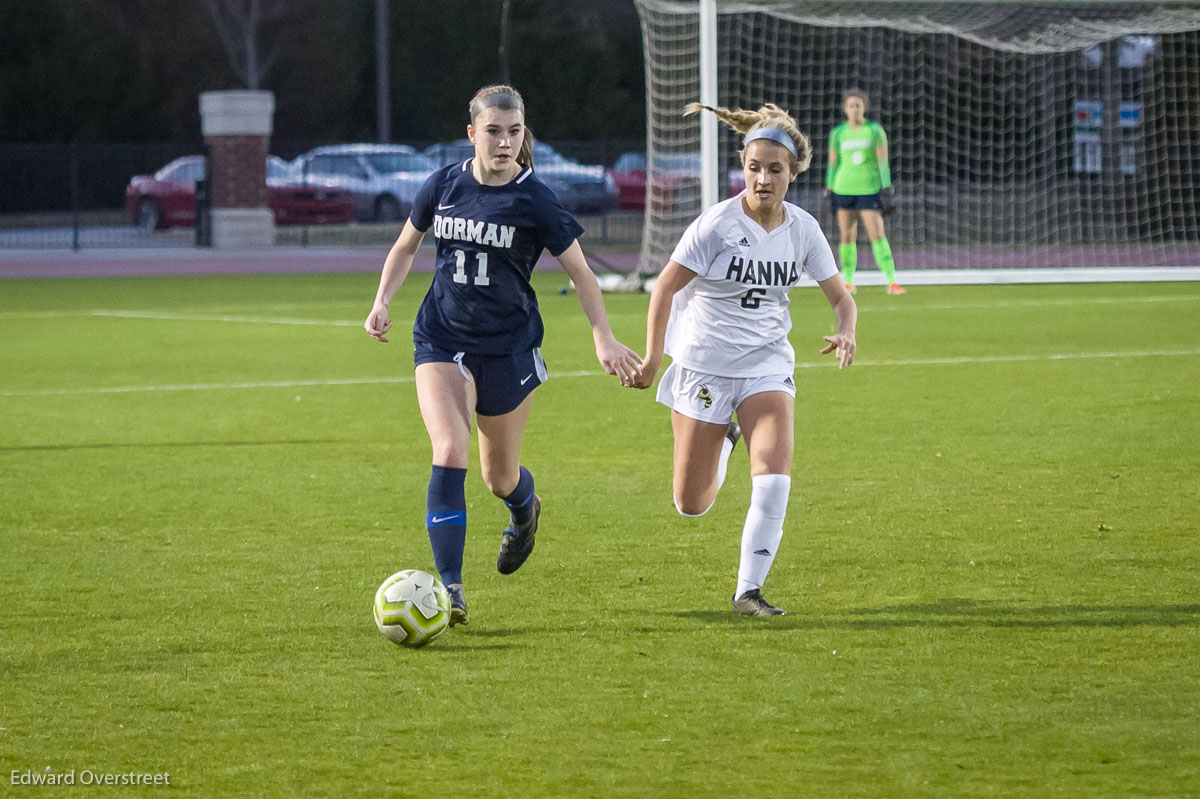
(777, 135)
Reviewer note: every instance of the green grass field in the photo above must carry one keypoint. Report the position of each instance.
(990, 559)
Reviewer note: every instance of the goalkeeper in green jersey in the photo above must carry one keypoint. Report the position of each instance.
(859, 186)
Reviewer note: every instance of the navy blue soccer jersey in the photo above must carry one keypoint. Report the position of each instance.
(488, 240)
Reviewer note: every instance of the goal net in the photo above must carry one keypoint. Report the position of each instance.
(1020, 135)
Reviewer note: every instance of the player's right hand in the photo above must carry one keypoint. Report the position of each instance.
(644, 377)
(377, 323)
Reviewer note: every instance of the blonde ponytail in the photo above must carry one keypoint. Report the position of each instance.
(768, 116)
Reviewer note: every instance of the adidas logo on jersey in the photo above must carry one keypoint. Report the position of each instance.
(486, 233)
(745, 242)
(762, 273)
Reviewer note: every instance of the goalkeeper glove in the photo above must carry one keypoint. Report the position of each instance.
(887, 200)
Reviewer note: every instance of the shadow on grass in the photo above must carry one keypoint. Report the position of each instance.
(469, 640)
(169, 444)
(727, 618)
(968, 613)
(454, 648)
(495, 633)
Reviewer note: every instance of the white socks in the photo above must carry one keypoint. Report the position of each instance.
(723, 461)
(764, 527)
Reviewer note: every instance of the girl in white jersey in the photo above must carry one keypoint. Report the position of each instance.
(720, 310)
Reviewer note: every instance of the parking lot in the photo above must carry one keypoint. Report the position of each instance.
(62, 196)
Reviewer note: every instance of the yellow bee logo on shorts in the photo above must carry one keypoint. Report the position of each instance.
(705, 396)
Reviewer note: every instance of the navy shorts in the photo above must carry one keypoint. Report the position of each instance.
(857, 202)
(502, 382)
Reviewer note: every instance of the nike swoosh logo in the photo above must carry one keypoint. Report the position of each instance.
(440, 519)
(526, 380)
(444, 207)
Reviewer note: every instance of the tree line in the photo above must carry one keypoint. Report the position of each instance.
(133, 70)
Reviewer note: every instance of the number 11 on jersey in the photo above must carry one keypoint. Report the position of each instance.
(460, 268)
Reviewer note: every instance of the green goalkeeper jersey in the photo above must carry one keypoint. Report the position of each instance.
(857, 171)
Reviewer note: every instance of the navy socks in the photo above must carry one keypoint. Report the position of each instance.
(446, 516)
(446, 521)
(520, 501)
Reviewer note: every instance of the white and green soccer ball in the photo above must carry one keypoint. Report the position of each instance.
(412, 608)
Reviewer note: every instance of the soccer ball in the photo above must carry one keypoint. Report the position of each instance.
(412, 608)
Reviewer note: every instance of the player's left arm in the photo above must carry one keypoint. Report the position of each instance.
(615, 357)
(845, 311)
(887, 195)
(881, 157)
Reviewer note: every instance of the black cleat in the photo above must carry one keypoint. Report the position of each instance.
(734, 433)
(458, 604)
(752, 603)
(517, 542)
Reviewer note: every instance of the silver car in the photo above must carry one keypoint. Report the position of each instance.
(383, 178)
(581, 188)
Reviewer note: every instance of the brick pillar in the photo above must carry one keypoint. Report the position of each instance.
(237, 128)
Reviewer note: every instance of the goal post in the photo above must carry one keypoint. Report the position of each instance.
(1020, 134)
(708, 95)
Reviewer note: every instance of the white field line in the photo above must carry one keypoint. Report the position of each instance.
(1059, 356)
(200, 317)
(362, 381)
(866, 306)
(1028, 303)
(238, 314)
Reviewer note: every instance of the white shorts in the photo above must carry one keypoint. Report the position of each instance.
(707, 398)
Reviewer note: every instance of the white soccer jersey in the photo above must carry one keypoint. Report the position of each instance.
(732, 320)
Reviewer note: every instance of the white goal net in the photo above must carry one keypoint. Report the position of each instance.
(1020, 135)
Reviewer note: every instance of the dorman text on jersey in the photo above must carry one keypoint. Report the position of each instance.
(486, 233)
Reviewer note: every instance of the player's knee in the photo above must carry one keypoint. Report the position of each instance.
(450, 454)
(692, 508)
(500, 482)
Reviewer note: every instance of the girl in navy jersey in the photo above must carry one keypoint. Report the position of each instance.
(478, 333)
(720, 310)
